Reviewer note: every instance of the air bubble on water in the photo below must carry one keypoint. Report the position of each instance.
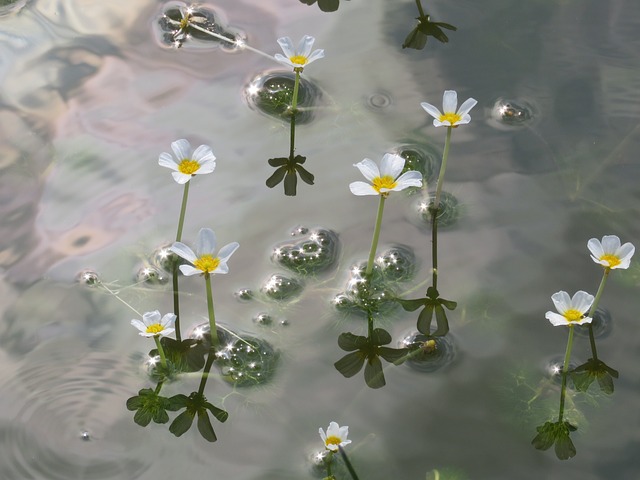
(88, 277)
(281, 288)
(428, 354)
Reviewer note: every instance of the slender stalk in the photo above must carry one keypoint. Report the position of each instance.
(434, 245)
(158, 387)
(163, 358)
(443, 167)
(294, 111)
(207, 368)
(115, 294)
(183, 211)
(565, 369)
(213, 331)
(328, 460)
(420, 11)
(354, 476)
(592, 312)
(376, 236)
(174, 272)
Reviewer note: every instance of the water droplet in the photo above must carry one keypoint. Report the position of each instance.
(379, 100)
(163, 258)
(244, 294)
(88, 277)
(278, 287)
(449, 210)
(85, 436)
(299, 230)
(316, 251)
(263, 319)
(247, 361)
(429, 354)
(421, 158)
(272, 94)
(361, 296)
(507, 113)
(151, 276)
(397, 263)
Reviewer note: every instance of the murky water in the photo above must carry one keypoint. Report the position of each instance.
(90, 97)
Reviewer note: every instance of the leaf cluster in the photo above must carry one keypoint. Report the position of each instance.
(432, 304)
(557, 433)
(288, 169)
(417, 38)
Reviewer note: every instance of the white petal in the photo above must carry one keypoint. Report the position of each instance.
(323, 435)
(624, 253)
(449, 101)
(368, 168)
(408, 179)
(582, 321)
(188, 270)
(287, 46)
(362, 188)
(610, 243)
(182, 149)
(555, 319)
(333, 430)
(284, 60)
(305, 45)
(466, 107)
(562, 301)
(139, 325)
(202, 154)
(595, 247)
(183, 251)
(391, 165)
(166, 160)
(222, 268)
(180, 177)
(206, 242)
(146, 334)
(207, 166)
(225, 252)
(317, 54)
(166, 331)
(167, 320)
(438, 123)
(150, 318)
(581, 301)
(466, 118)
(431, 110)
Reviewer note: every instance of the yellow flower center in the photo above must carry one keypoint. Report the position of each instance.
(184, 23)
(333, 440)
(207, 263)
(452, 118)
(384, 182)
(155, 328)
(298, 59)
(188, 166)
(611, 259)
(572, 315)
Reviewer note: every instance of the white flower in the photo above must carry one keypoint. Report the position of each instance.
(385, 179)
(199, 162)
(300, 57)
(572, 311)
(203, 260)
(610, 253)
(335, 437)
(450, 117)
(152, 326)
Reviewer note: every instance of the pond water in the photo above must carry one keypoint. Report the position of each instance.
(91, 96)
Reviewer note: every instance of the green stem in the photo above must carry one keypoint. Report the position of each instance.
(443, 167)
(213, 331)
(592, 312)
(294, 111)
(158, 387)
(176, 295)
(565, 369)
(207, 368)
(163, 358)
(183, 211)
(328, 460)
(420, 11)
(434, 245)
(376, 236)
(354, 476)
